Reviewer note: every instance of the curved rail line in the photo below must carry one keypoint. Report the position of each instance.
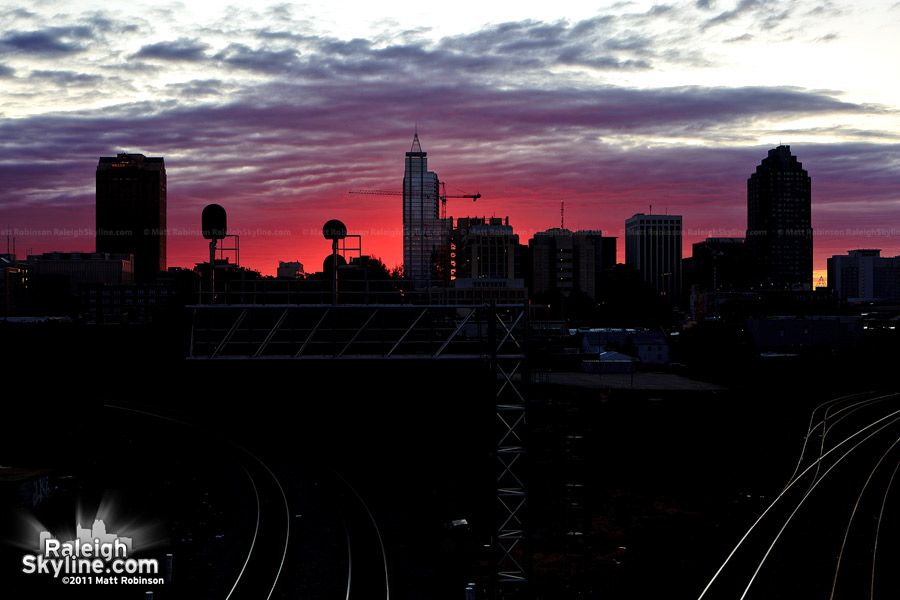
(855, 438)
(258, 463)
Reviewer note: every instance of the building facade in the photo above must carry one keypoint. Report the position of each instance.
(715, 271)
(131, 211)
(864, 276)
(779, 224)
(290, 269)
(563, 260)
(653, 247)
(484, 248)
(424, 234)
(77, 268)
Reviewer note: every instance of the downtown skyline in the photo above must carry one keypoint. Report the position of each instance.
(277, 112)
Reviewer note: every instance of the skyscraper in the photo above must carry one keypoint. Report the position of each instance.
(779, 224)
(653, 247)
(131, 211)
(485, 248)
(563, 261)
(424, 234)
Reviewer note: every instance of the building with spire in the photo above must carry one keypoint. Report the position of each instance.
(425, 236)
(779, 225)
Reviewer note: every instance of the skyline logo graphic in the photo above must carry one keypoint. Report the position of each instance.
(93, 557)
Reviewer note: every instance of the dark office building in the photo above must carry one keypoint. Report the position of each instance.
(653, 247)
(779, 224)
(608, 252)
(715, 272)
(131, 211)
(485, 248)
(563, 260)
(717, 264)
(864, 275)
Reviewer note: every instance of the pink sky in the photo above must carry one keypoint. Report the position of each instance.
(277, 121)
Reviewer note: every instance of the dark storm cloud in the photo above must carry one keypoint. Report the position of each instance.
(49, 43)
(183, 49)
(6, 71)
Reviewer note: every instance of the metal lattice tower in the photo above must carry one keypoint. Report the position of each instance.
(496, 334)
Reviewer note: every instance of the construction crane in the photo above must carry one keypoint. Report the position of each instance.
(443, 197)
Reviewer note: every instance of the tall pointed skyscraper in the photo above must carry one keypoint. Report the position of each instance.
(779, 224)
(423, 232)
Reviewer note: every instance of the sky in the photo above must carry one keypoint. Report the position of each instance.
(278, 110)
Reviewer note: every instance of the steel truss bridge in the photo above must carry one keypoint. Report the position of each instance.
(497, 335)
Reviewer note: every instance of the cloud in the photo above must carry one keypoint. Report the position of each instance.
(183, 49)
(283, 121)
(49, 43)
(830, 37)
(766, 14)
(198, 88)
(66, 78)
(259, 60)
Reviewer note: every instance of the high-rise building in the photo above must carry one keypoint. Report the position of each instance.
(485, 248)
(864, 276)
(715, 272)
(485, 264)
(563, 260)
(425, 236)
(717, 264)
(653, 247)
(131, 211)
(779, 224)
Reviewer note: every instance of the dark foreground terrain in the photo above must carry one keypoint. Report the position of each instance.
(632, 493)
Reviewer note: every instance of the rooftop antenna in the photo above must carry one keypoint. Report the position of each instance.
(651, 209)
(562, 214)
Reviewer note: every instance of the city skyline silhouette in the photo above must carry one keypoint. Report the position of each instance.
(608, 110)
(599, 413)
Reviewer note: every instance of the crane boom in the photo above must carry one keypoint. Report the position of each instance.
(443, 197)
